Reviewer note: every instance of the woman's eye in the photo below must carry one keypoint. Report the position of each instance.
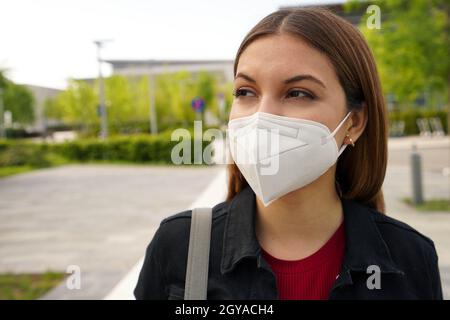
(243, 92)
(300, 94)
(291, 94)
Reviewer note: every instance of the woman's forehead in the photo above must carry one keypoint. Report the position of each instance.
(282, 56)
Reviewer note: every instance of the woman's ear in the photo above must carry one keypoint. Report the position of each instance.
(358, 123)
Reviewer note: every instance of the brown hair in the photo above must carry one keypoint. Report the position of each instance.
(360, 170)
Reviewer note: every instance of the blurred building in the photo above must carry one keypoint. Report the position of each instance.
(41, 95)
(222, 69)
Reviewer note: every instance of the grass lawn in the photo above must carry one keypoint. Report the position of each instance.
(27, 286)
(9, 171)
(431, 205)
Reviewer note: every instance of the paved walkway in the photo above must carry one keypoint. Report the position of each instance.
(435, 152)
(99, 217)
(213, 194)
(435, 225)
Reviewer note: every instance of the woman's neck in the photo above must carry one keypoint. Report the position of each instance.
(299, 223)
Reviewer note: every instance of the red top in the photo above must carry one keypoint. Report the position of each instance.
(313, 277)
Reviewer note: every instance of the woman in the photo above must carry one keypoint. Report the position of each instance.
(312, 226)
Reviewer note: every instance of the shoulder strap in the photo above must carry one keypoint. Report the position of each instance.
(198, 255)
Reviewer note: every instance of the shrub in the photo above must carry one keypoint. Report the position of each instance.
(135, 148)
(21, 154)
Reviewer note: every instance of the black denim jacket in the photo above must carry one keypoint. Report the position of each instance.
(407, 260)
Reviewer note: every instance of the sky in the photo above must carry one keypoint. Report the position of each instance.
(46, 42)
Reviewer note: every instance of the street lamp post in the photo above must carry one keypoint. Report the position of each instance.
(101, 92)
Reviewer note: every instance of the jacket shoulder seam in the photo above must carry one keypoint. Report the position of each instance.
(187, 215)
(406, 228)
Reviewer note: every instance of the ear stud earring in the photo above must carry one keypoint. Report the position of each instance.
(351, 140)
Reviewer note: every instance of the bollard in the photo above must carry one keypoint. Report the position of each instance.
(416, 175)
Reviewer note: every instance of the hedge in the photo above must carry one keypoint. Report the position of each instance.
(139, 149)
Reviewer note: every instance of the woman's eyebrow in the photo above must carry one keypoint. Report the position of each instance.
(301, 77)
(296, 78)
(246, 77)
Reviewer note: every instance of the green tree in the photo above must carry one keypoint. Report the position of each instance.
(119, 101)
(207, 89)
(127, 101)
(3, 79)
(77, 106)
(52, 109)
(174, 93)
(227, 90)
(411, 48)
(18, 100)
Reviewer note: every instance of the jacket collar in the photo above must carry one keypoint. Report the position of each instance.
(364, 243)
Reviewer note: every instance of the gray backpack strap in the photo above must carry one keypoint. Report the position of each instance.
(198, 255)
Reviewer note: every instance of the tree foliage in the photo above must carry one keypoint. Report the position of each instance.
(128, 101)
(18, 100)
(411, 48)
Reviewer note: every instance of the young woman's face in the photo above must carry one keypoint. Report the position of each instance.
(283, 75)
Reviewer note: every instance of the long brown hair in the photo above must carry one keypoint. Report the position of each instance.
(360, 170)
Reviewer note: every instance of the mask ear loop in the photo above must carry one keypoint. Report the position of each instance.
(331, 135)
(336, 130)
(340, 124)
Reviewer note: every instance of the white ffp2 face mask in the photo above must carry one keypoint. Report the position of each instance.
(278, 154)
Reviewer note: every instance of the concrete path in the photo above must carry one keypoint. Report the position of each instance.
(435, 154)
(98, 217)
(435, 225)
(212, 195)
